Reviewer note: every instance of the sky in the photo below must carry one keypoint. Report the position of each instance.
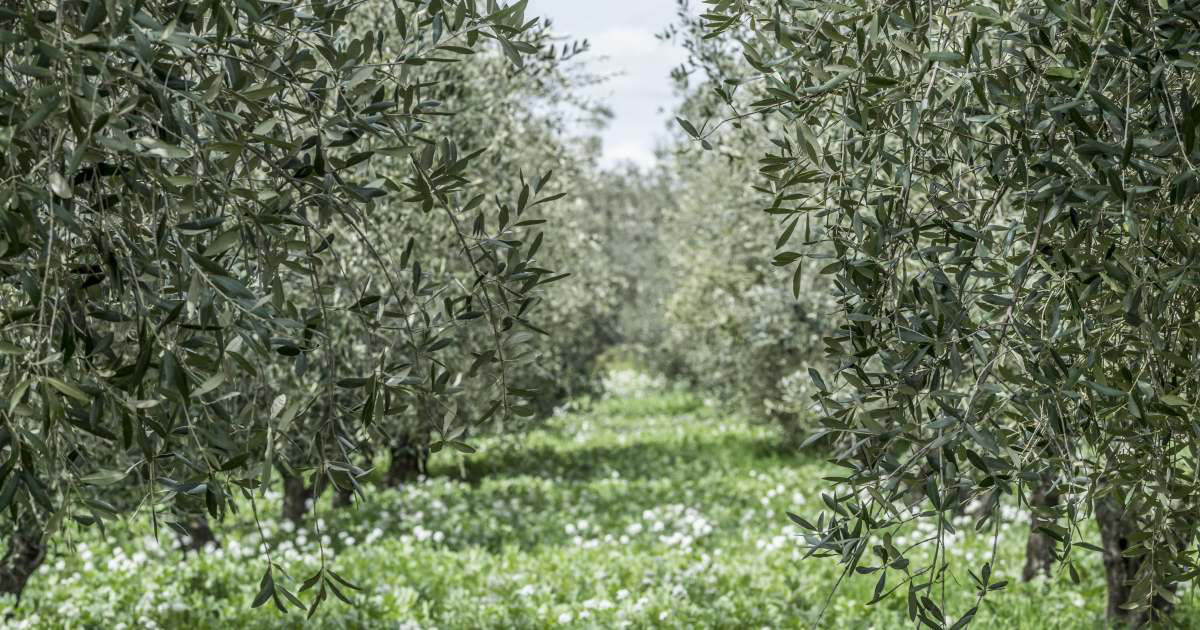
(622, 37)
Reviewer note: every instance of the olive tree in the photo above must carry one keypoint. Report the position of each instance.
(732, 323)
(488, 105)
(176, 184)
(1005, 197)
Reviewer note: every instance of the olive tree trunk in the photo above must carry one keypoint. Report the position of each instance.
(342, 498)
(296, 495)
(1120, 570)
(24, 554)
(408, 461)
(198, 534)
(1039, 549)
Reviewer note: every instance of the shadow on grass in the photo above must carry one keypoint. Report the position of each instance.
(632, 461)
(559, 479)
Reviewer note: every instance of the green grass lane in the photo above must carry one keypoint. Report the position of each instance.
(650, 511)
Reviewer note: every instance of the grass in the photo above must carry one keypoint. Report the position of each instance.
(651, 510)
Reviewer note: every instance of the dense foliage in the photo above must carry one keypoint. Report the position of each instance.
(263, 259)
(730, 323)
(1005, 193)
(183, 187)
(716, 311)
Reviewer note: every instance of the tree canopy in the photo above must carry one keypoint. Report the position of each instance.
(181, 182)
(1004, 196)
(249, 245)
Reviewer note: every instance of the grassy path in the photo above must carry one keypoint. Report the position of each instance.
(651, 511)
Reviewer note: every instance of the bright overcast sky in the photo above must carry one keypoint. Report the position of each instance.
(621, 33)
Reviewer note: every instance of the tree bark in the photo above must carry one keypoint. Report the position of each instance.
(1120, 571)
(199, 534)
(407, 462)
(295, 498)
(1039, 550)
(24, 555)
(342, 498)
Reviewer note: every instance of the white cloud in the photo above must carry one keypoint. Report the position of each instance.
(624, 47)
(618, 152)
